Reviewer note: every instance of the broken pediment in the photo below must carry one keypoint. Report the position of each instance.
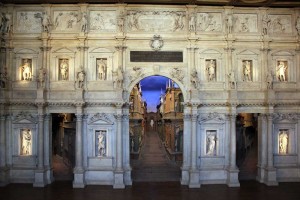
(101, 118)
(25, 118)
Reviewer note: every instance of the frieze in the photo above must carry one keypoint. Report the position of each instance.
(29, 22)
(101, 116)
(163, 21)
(66, 21)
(280, 24)
(211, 116)
(209, 22)
(286, 116)
(103, 21)
(245, 23)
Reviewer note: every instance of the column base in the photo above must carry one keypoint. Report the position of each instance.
(185, 176)
(119, 180)
(40, 178)
(194, 181)
(78, 181)
(233, 177)
(49, 176)
(127, 177)
(4, 176)
(271, 177)
(260, 174)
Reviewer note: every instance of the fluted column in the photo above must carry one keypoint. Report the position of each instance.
(119, 171)
(126, 146)
(271, 175)
(194, 172)
(78, 170)
(262, 147)
(47, 150)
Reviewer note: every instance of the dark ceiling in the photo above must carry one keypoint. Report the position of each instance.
(256, 3)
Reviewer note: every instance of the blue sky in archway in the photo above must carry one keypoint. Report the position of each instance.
(152, 88)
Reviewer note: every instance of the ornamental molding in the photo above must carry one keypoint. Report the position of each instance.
(100, 118)
(177, 73)
(286, 116)
(211, 116)
(24, 117)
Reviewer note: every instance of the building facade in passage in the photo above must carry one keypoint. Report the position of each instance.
(84, 59)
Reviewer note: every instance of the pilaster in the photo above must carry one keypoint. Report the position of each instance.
(262, 147)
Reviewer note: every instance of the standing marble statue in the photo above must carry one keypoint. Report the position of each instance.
(247, 70)
(26, 70)
(84, 22)
(118, 77)
(211, 70)
(210, 144)
(229, 23)
(192, 23)
(64, 68)
(3, 78)
(195, 78)
(102, 68)
(80, 78)
(281, 70)
(41, 77)
(46, 22)
(7, 23)
(101, 144)
(26, 142)
(298, 25)
(283, 142)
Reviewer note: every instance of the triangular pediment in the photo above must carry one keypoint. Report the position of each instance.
(26, 51)
(101, 50)
(63, 50)
(101, 118)
(212, 118)
(247, 52)
(24, 118)
(282, 53)
(210, 51)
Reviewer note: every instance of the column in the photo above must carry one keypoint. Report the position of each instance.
(262, 147)
(233, 172)
(194, 172)
(185, 177)
(126, 146)
(47, 150)
(3, 167)
(271, 176)
(227, 142)
(78, 181)
(39, 177)
(119, 172)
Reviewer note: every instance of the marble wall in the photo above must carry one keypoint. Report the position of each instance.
(234, 60)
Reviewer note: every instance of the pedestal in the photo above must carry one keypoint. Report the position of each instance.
(194, 181)
(4, 176)
(233, 178)
(79, 94)
(40, 94)
(260, 174)
(127, 177)
(270, 177)
(119, 180)
(49, 176)
(40, 178)
(185, 176)
(78, 179)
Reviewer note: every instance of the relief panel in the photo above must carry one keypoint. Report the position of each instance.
(245, 23)
(103, 21)
(29, 22)
(66, 21)
(209, 22)
(280, 24)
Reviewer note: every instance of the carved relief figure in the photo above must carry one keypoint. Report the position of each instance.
(46, 22)
(265, 24)
(6, 25)
(84, 22)
(283, 142)
(3, 78)
(120, 22)
(80, 78)
(298, 25)
(26, 69)
(245, 25)
(101, 143)
(64, 69)
(231, 77)
(209, 22)
(177, 73)
(270, 80)
(281, 71)
(229, 23)
(195, 79)
(133, 23)
(41, 77)
(211, 69)
(102, 68)
(136, 73)
(26, 142)
(118, 77)
(179, 22)
(211, 143)
(278, 27)
(192, 23)
(66, 21)
(247, 66)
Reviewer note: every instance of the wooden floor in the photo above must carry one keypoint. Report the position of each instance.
(249, 190)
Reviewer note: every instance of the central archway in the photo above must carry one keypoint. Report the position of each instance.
(156, 131)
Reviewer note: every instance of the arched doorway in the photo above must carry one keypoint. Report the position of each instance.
(156, 129)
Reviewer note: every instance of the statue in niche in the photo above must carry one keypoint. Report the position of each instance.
(195, 78)
(118, 81)
(247, 70)
(298, 25)
(211, 70)
(281, 71)
(64, 69)
(41, 77)
(102, 68)
(84, 22)
(229, 23)
(80, 78)
(283, 142)
(270, 80)
(192, 23)
(265, 24)
(101, 135)
(26, 142)
(232, 82)
(26, 69)
(45, 22)
(211, 143)
(3, 78)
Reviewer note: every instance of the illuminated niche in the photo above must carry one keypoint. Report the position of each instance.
(283, 141)
(100, 146)
(25, 142)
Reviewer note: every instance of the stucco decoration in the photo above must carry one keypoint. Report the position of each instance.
(29, 22)
(245, 23)
(209, 22)
(66, 21)
(163, 21)
(177, 73)
(101, 118)
(280, 24)
(103, 21)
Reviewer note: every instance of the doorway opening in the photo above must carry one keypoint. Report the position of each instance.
(156, 130)
(63, 145)
(247, 145)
